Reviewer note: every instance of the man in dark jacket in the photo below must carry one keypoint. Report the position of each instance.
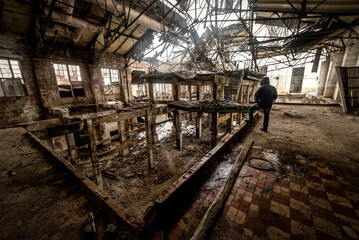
(264, 98)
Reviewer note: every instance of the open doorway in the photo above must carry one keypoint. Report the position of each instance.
(297, 80)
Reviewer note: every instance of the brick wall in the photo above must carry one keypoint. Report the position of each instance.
(41, 85)
(26, 108)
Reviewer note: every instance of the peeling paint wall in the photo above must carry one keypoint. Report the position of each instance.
(26, 108)
(281, 78)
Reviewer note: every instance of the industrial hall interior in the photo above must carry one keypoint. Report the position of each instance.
(179, 119)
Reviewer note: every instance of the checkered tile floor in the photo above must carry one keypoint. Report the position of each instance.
(315, 204)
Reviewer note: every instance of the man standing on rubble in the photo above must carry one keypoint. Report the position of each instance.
(264, 98)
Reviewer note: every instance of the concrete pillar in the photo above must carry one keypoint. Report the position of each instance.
(350, 59)
(332, 77)
(323, 76)
(351, 55)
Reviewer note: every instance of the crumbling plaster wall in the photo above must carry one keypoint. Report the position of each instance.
(26, 108)
(281, 78)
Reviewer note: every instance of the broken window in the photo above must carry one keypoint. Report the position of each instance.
(110, 76)
(69, 80)
(11, 82)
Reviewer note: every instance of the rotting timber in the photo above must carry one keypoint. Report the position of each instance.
(170, 197)
(100, 148)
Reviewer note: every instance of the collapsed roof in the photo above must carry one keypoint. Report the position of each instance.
(210, 35)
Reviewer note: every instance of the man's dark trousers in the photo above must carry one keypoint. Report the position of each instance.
(266, 111)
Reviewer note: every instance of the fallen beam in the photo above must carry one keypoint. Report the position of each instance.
(310, 104)
(211, 214)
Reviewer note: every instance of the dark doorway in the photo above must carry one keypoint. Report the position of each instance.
(297, 80)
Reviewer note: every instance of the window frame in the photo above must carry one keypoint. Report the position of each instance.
(110, 75)
(69, 78)
(23, 82)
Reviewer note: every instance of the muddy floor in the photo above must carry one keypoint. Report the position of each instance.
(301, 134)
(38, 200)
(299, 138)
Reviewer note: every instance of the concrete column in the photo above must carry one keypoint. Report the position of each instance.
(351, 55)
(323, 76)
(332, 77)
(350, 59)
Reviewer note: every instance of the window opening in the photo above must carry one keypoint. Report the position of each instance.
(110, 76)
(11, 82)
(69, 81)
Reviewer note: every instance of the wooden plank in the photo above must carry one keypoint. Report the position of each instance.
(341, 74)
(153, 129)
(224, 118)
(132, 114)
(190, 91)
(215, 91)
(178, 120)
(90, 132)
(176, 92)
(72, 147)
(240, 100)
(149, 139)
(230, 123)
(210, 216)
(214, 129)
(199, 125)
(217, 110)
(247, 98)
(123, 150)
(150, 92)
(239, 93)
(65, 129)
(199, 92)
